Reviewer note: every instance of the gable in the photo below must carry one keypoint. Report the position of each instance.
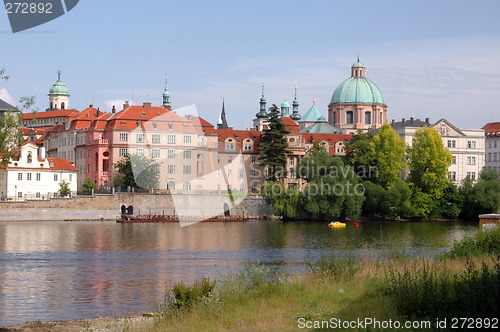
(445, 128)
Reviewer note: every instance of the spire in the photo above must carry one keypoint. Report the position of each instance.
(262, 112)
(222, 123)
(58, 75)
(166, 95)
(295, 116)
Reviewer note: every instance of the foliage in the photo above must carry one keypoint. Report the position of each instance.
(88, 185)
(186, 296)
(333, 189)
(358, 153)
(449, 205)
(317, 147)
(429, 161)
(482, 197)
(3, 76)
(332, 266)
(10, 137)
(485, 242)
(285, 202)
(64, 189)
(118, 180)
(391, 203)
(273, 145)
(138, 171)
(388, 152)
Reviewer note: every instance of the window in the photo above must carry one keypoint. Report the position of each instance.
(349, 117)
(171, 154)
(292, 173)
(242, 160)
(218, 173)
(187, 139)
(229, 145)
(186, 185)
(28, 176)
(187, 154)
(218, 187)
(171, 139)
(241, 189)
(38, 175)
(229, 173)
(452, 144)
(38, 195)
(229, 187)
(495, 144)
(368, 117)
(254, 173)
(242, 174)
(454, 159)
(155, 153)
(489, 144)
(139, 152)
(494, 156)
(19, 176)
(218, 159)
(471, 160)
(471, 144)
(171, 185)
(452, 176)
(254, 160)
(122, 152)
(229, 159)
(123, 137)
(171, 169)
(248, 146)
(155, 139)
(155, 125)
(139, 138)
(20, 194)
(292, 162)
(70, 177)
(186, 170)
(254, 188)
(471, 175)
(55, 177)
(488, 157)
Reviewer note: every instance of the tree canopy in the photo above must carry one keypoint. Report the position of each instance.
(138, 171)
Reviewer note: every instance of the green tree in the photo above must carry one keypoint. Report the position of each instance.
(139, 171)
(333, 189)
(429, 161)
(391, 203)
(359, 155)
(88, 185)
(64, 189)
(273, 145)
(285, 202)
(388, 153)
(482, 197)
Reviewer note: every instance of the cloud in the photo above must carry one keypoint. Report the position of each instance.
(118, 103)
(5, 96)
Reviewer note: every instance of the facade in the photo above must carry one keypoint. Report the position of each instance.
(357, 103)
(467, 146)
(33, 176)
(492, 132)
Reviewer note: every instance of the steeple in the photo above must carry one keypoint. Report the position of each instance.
(295, 116)
(358, 69)
(262, 113)
(166, 95)
(222, 123)
(285, 108)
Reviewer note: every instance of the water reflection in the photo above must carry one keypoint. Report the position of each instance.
(62, 270)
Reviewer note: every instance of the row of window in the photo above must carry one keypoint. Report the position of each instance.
(490, 144)
(492, 156)
(453, 144)
(155, 138)
(38, 177)
(349, 119)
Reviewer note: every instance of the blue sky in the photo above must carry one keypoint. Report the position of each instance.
(434, 59)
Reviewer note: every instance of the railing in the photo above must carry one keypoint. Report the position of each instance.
(100, 141)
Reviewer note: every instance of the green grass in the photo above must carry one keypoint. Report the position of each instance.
(397, 288)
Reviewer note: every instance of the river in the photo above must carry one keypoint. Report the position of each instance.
(76, 270)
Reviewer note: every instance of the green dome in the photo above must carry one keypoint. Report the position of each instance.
(357, 90)
(166, 93)
(358, 64)
(285, 104)
(59, 89)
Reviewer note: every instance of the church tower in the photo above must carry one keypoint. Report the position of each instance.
(166, 96)
(295, 106)
(261, 117)
(222, 123)
(58, 95)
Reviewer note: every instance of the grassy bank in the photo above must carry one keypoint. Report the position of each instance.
(463, 283)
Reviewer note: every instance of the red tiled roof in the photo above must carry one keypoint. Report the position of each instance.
(290, 124)
(140, 113)
(329, 138)
(492, 127)
(62, 164)
(50, 114)
(200, 122)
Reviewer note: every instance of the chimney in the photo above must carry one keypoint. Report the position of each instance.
(42, 153)
(427, 120)
(90, 106)
(393, 122)
(113, 110)
(146, 105)
(411, 120)
(126, 105)
(403, 121)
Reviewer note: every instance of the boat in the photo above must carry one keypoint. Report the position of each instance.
(337, 224)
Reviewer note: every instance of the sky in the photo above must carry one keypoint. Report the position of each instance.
(435, 59)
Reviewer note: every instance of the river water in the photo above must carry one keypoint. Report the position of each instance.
(72, 270)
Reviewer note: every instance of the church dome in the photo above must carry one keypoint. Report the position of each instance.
(285, 104)
(357, 89)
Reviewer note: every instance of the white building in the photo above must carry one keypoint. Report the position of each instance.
(466, 145)
(492, 132)
(33, 176)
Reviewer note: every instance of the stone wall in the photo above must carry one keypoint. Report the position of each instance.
(107, 207)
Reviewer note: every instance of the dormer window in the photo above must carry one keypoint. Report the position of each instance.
(143, 114)
(170, 126)
(51, 164)
(155, 125)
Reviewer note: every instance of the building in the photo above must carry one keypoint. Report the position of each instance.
(33, 176)
(5, 107)
(467, 146)
(357, 103)
(492, 133)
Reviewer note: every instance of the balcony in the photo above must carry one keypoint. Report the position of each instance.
(100, 142)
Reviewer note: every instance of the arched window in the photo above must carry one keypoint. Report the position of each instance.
(62, 105)
(30, 158)
(349, 117)
(368, 117)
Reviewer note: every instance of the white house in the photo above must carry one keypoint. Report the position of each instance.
(492, 132)
(33, 176)
(467, 146)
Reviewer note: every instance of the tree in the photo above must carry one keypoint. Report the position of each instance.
(273, 145)
(429, 161)
(285, 202)
(63, 189)
(88, 185)
(358, 154)
(392, 202)
(482, 197)
(139, 171)
(388, 153)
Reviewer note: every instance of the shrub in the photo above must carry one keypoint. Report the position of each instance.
(185, 296)
(337, 267)
(487, 241)
(88, 185)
